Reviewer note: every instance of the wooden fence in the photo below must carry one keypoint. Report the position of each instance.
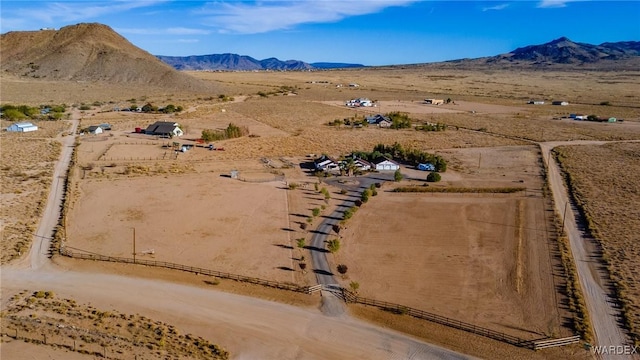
(196, 270)
(544, 344)
(351, 297)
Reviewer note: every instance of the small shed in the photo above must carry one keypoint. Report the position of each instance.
(234, 174)
(562, 103)
(612, 120)
(22, 127)
(434, 101)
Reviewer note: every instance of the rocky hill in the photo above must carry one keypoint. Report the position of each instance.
(235, 62)
(87, 52)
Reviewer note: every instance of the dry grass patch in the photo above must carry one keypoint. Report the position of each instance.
(603, 180)
(27, 167)
(40, 317)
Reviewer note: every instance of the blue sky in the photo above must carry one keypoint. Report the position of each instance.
(370, 32)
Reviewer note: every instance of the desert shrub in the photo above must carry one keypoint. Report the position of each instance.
(293, 186)
(342, 269)
(433, 177)
(365, 195)
(232, 131)
(315, 212)
(333, 245)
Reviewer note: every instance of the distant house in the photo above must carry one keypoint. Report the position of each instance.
(361, 164)
(384, 164)
(434, 101)
(22, 127)
(426, 167)
(612, 120)
(94, 129)
(380, 120)
(536, 102)
(563, 103)
(326, 163)
(164, 129)
(354, 85)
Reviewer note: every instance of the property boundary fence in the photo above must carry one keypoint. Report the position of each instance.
(350, 297)
(196, 270)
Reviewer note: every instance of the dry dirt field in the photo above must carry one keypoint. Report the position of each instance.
(201, 220)
(485, 258)
(27, 167)
(605, 183)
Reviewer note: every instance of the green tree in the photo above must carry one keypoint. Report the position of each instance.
(433, 177)
(397, 176)
(365, 195)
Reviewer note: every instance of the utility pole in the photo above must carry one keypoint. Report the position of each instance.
(134, 245)
(479, 160)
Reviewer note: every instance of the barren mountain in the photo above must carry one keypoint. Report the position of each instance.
(87, 52)
(559, 54)
(233, 62)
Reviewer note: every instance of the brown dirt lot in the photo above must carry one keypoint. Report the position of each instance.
(204, 221)
(482, 259)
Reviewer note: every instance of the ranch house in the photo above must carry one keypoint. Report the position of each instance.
(94, 129)
(164, 129)
(385, 164)
(380, 120)
(326, 163)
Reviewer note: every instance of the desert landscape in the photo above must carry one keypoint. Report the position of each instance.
(480, 245)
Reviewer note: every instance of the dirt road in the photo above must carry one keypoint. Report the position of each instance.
(604, 315)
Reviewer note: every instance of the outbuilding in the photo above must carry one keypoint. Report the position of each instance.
(22, 127)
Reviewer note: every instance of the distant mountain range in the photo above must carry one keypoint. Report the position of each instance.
(563, 53)
(235, 62)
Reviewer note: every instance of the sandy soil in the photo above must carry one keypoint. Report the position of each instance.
(206, 221)
(481, 259)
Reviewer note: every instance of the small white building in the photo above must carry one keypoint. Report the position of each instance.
(434, 101)
(22, 127)
(385, 164)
